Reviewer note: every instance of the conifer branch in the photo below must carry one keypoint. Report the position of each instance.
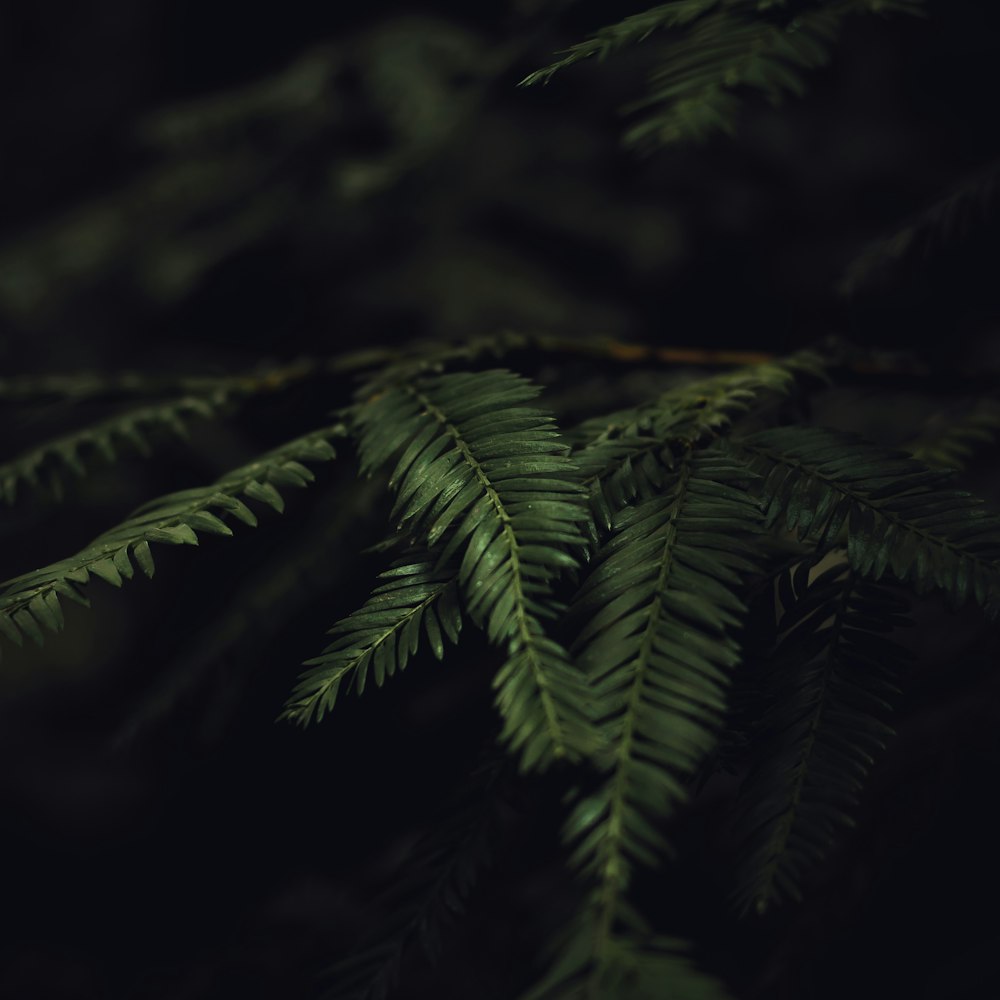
(381, 636)
(624, 456)
(660, 607)
(71, 452)
(637, 965)
(256, 611)
(821, 724)
(633, 29)
(493, 505)
(726, 46)
(687, 581)
(897, 514)
(30, 603)
(489, 478)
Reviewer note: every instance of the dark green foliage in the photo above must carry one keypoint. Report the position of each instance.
(31, 602)
(671, 583)
(381, 636)
(725, 47)
(613, 569)
(215, 663)
(623, 456)
(488, 479)
(826, 687)
(893, 512)
(633, 29)
(637, 966)
(658, 612)
(692, 95)
(73, 451)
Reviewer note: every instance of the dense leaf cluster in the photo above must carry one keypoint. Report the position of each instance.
(615, 567)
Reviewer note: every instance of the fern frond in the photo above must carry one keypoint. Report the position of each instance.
(825, 690)
(30, 603)
(631, 966)
(692, 93)
(633, 29)
(661, 608)
(695, 92)
(381, 636)
(255, 612)
(949, 441)
(624, 456)
(694, 409)
(729, 46)
(897, 514)
(431, 893)
(131, 430)
(490, 479)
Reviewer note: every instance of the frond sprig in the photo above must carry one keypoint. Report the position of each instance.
(897, 514)
(691, 95)
(624, 456)
(30, 604)
(489, 478)
(634, 966)
(130, 430)
(254, 613)
(724, 47)
(381, 636)
(826, 687)
(661, 607)
(633, 29)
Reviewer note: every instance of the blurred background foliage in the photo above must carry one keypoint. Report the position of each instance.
(195, 188)
(180, 180)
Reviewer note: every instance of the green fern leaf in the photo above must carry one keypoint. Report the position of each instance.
(692, 93)
(381, 637)
(660, 608)
(72, 452)
(826, 686)
(897, 514)
(174, 519)
(625, 456)
(252, 615)
(633, 29)
(632, 966)
(488, 479)
(695, 92)
(728, 46)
